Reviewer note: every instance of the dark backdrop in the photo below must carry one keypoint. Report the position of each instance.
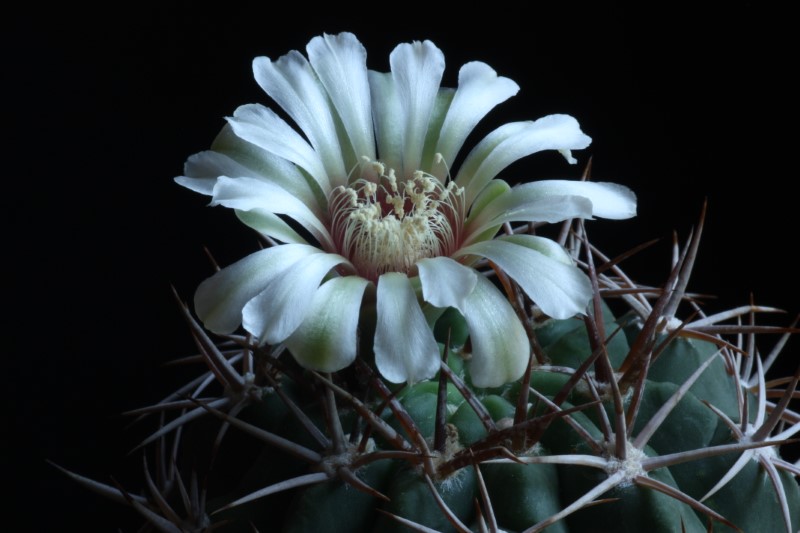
(106, 105)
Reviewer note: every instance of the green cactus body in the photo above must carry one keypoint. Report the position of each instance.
(483, 459)
(519, 494)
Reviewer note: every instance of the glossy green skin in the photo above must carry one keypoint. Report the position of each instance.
(522, 495)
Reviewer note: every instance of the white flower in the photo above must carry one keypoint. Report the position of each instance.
(367, 180)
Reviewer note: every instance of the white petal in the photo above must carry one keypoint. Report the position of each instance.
(543, 245)
(609, 200)
(246, 194)
(291, 82)
(387, 115)
(514, 141)
(201, 171)
(430, 163)
(340, 61)
(446, 283)
(278, 310)
(239, 157)
(326, 340)
(270, 225)
(523, 205)
(417, 70)
(487, 196)
(405, 349)
(219, 299)
(560, 290)
(493, 190)
(500, 347)
(260, 126)
(479, 90)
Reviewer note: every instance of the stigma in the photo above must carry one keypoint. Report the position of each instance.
(385, 224)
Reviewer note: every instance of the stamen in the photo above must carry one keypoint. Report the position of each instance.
(383, 226)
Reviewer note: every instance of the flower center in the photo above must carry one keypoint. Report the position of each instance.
(384, 225)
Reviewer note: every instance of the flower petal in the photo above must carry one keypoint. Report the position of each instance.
(260, 126)
(219, 299)
(500, 347)
(514, 207)
(493, 190)
(446, 283)
(278, 310)
(326, 340)
(246, 194)
(291, 82)
(430, 163)
(231, 155)
(387, 114)
(417, 70)
(609, 200)
(340, 61)
(512, 142)
(270, 225)
(405, 349)
(200, 172)
(559, 289)
(479, 90)
(543, 245)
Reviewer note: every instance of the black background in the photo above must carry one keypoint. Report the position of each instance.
(105, 106)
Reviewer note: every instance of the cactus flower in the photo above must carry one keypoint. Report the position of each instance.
(361, 199)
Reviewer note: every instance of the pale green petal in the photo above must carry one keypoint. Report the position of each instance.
(326, 340)
(260, 126)
(500, 347)
(417, 70)
(560, 290)
(608, 200)
(278, 310)
(340, 61)
(495, 189)
(246, 194)
(405, 349)
(479, 90)
(292, 83)
(445, 282)
(219, 300)
(514, 141)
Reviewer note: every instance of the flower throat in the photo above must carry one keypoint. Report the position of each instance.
(384, 225)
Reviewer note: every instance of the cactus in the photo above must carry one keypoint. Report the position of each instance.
(543, 391)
